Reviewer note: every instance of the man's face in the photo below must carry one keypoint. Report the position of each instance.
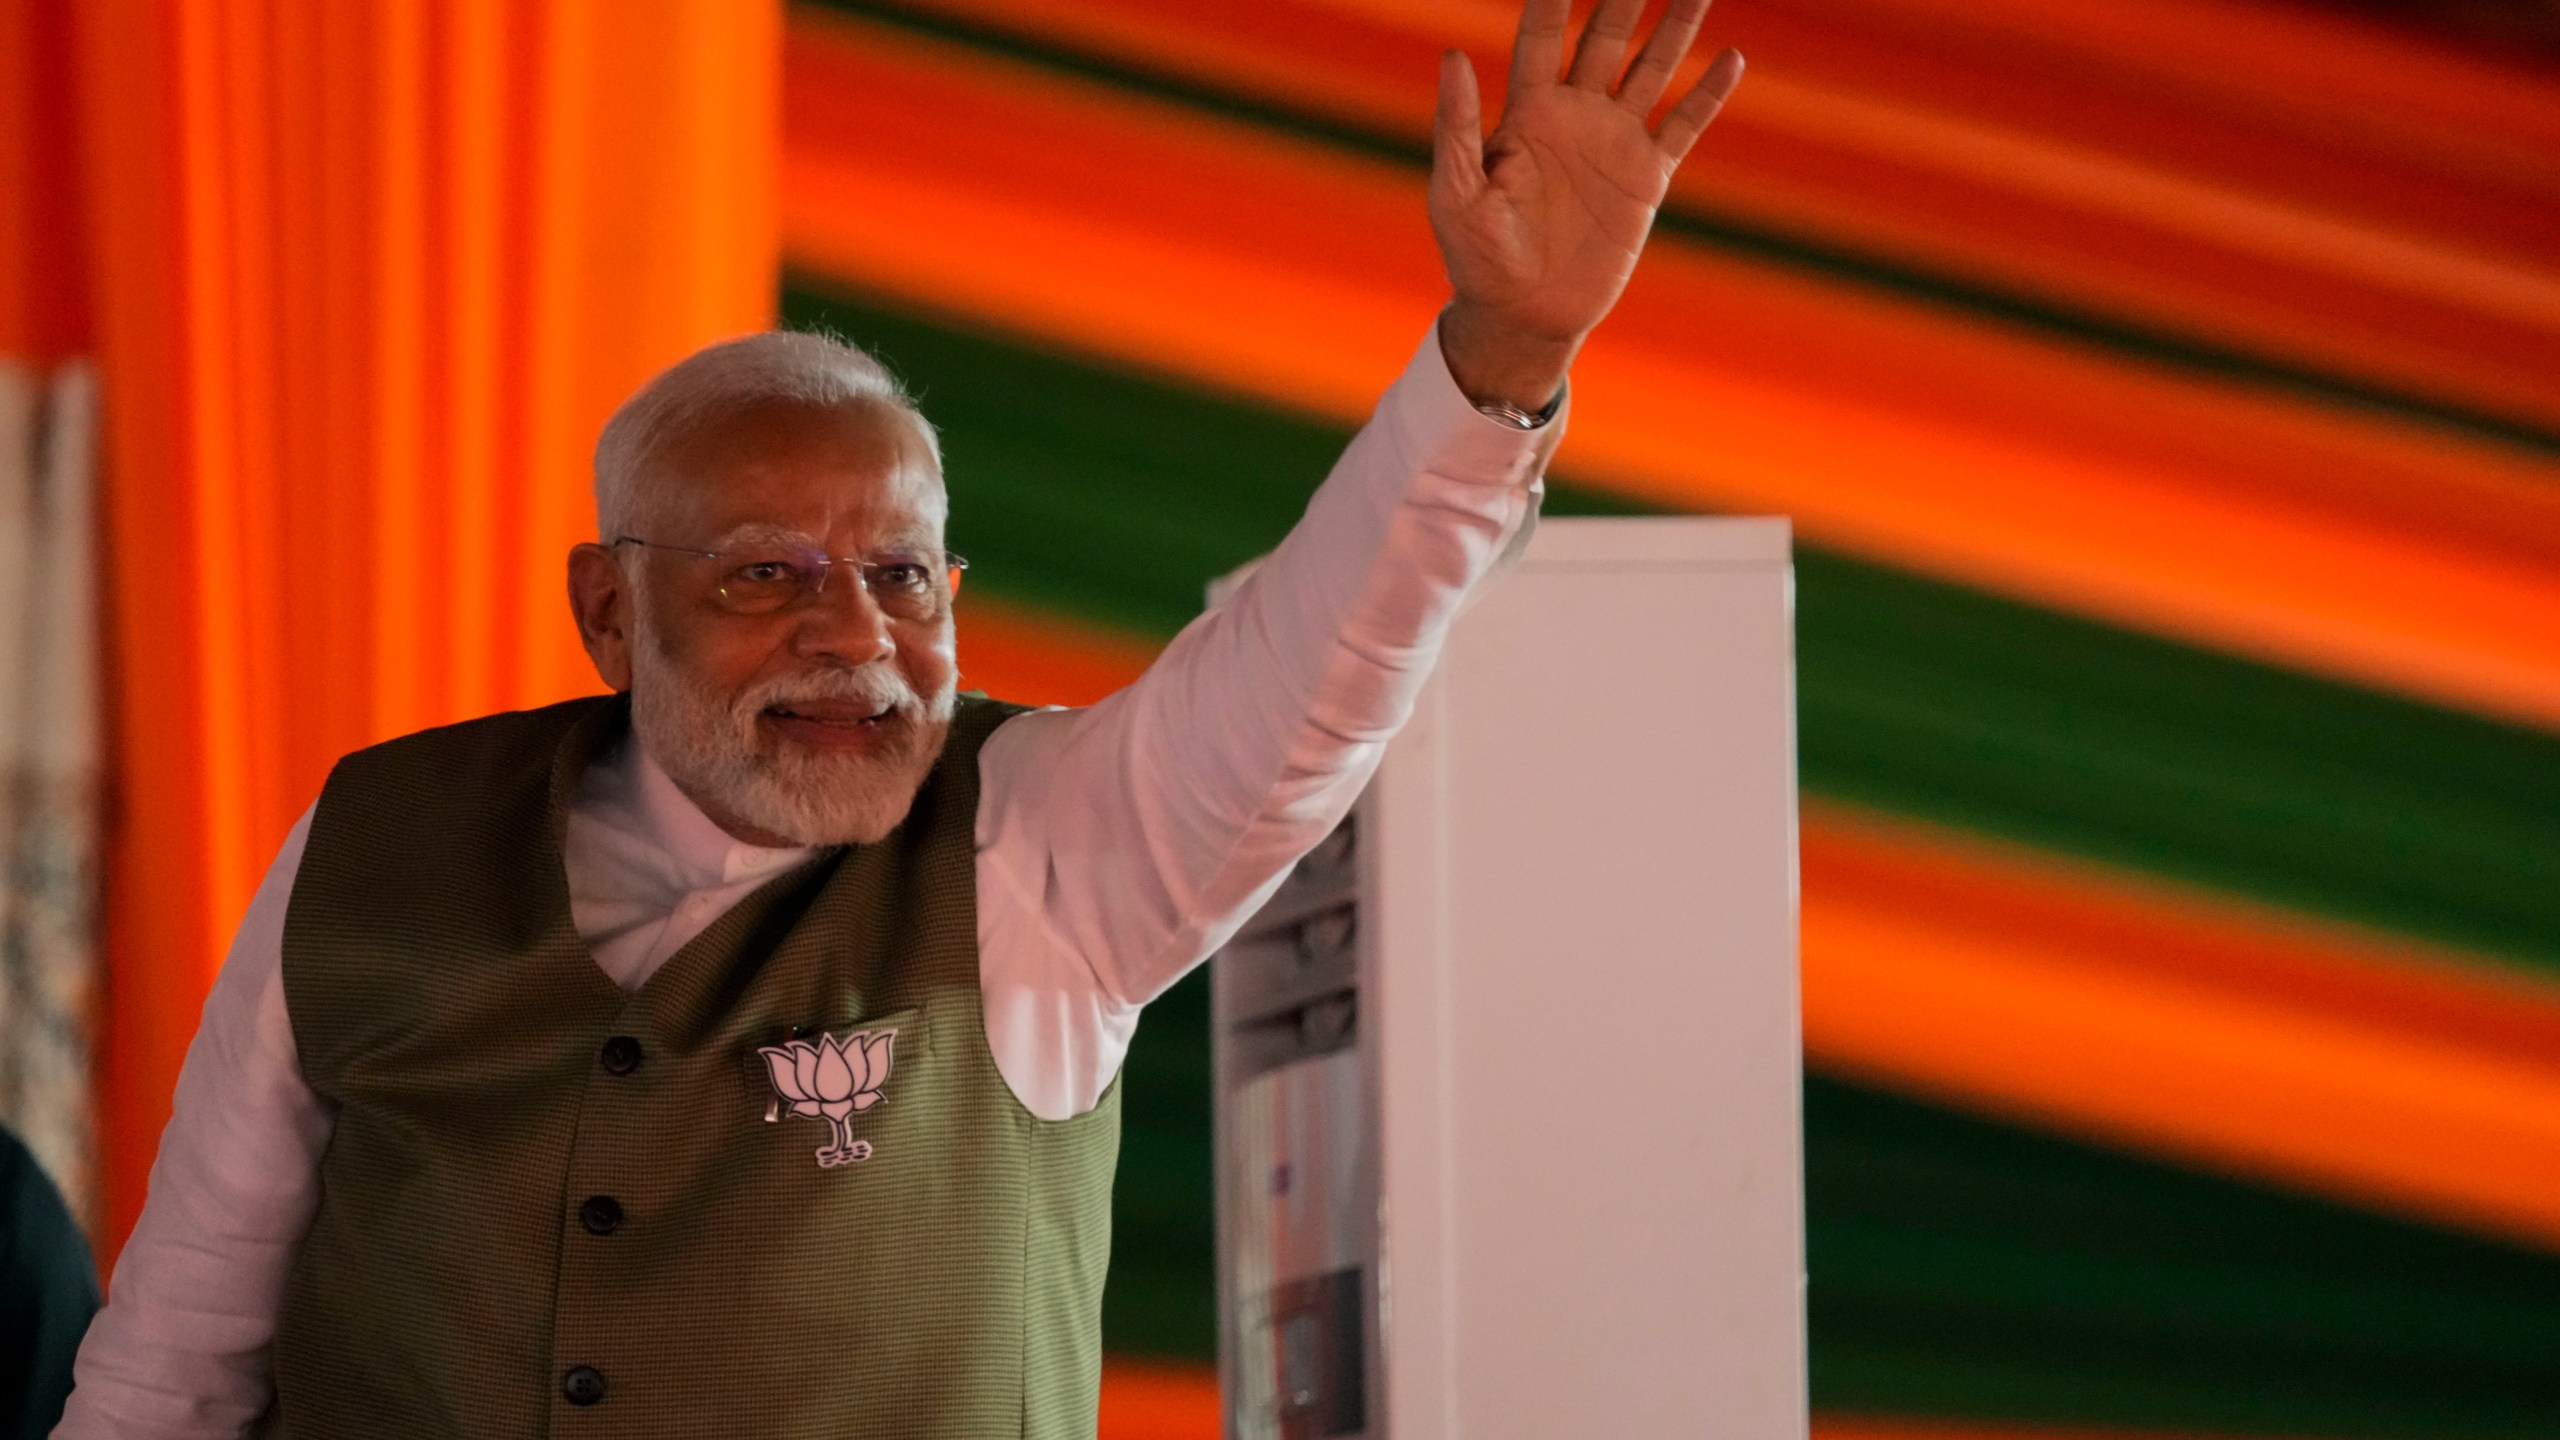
(813, 722)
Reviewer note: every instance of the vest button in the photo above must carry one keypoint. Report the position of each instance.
(621, 1055)
(583, 1385)
(601, 1214)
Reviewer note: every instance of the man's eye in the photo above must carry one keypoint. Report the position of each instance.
(765, 572)
(901, 576)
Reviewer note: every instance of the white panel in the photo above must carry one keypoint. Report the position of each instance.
(1631, 543)
(1586, 966)
(1403, 831)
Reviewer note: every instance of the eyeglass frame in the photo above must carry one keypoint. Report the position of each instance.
(952, 564)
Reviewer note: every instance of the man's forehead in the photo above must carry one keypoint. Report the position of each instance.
(923, 533)
(794, 467)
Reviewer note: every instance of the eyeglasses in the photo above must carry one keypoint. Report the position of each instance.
(762, 578)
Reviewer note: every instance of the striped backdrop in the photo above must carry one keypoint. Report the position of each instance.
(2167, 395)
(2167, 403)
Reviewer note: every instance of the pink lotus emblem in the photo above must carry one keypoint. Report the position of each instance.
(833, 1080)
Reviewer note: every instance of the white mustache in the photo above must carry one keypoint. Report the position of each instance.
(880, 690)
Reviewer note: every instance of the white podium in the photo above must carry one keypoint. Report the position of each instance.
(1508, 1071)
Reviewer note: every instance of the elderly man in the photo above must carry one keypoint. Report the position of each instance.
(734, 1055)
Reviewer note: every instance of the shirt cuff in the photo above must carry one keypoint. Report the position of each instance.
(1440, 429)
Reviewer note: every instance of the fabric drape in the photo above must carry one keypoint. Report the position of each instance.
(363, 278)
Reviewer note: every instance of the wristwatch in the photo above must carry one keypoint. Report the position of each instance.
(1519, 419)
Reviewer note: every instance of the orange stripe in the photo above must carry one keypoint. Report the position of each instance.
(334, 519)
(329, 516)
(558, 267)
(534, 73)
(257, 493)
(1018, 654)
(2341, 543)
(2219, 1035)
(44, 311)
(1158, 1400)
(210, 387)
(2114, 923)
(158, 874)
(2327, 68)
(1356, 225)
(472, 164)
(2189, 194)
(393, 349)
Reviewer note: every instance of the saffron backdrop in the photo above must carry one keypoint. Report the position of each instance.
(358, 283)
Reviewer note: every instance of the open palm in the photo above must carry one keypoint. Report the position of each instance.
(1540, 225)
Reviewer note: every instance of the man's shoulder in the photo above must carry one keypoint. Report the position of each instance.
(975, 716)
(467, 755)
(979, 707)
(506, 730)
(981, 731)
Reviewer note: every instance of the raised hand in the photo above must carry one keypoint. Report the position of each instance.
(1540, 225)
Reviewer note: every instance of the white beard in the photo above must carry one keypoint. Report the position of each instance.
(718, 754)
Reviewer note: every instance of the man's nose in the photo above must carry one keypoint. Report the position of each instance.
(843, 622)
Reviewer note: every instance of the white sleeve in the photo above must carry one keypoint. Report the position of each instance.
(1119, 845)
(181, 1347)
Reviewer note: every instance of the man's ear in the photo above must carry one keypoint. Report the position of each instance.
(600, 601)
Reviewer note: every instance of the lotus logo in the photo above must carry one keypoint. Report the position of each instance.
(832, 1079)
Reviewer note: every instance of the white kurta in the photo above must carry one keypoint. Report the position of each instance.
(1117, 846)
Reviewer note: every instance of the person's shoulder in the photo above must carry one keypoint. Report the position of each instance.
(977, 712)
(17, 1162)
(988, 732)
(480, 756)
(40, 1239)
(508, 731)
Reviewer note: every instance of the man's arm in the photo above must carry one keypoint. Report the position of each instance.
(181, 1349)
(1121, 844)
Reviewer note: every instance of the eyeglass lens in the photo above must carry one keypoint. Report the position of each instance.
(906, 585)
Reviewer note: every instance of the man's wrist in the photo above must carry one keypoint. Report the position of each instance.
(1497, 365)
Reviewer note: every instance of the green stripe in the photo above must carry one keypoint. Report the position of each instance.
(1806, 252)
(1162, 1296)
(1967, 1267)
(1961, 707)
(1114, 498)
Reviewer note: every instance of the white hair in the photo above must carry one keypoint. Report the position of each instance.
(772, 366)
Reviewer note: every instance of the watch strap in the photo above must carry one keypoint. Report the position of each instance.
(1519, 419)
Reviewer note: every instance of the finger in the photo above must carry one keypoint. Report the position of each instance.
(1688, 119)
(1663, 51)
(1596, 61)
(1457, 128)
(1537, 55)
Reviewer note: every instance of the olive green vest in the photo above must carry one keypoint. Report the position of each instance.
(550, 1207)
